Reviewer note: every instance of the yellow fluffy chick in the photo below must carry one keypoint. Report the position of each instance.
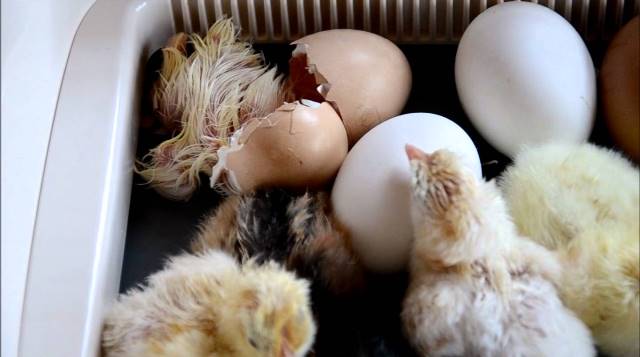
(583, 202)
(208, 305)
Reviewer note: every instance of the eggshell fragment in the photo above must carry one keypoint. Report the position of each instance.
(300, 145)
(365, 75)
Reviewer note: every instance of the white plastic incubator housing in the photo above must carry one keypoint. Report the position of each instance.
(78, 240)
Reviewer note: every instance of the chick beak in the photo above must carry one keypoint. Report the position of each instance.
(286, 351)
(413, 153)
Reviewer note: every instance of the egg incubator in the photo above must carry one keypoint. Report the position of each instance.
(101, 230)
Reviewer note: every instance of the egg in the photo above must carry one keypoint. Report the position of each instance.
(620, 88)
(300, 145)
(371, 194)
(365, 75)
(524, 76)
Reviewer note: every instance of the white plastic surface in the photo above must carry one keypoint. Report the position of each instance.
(36, 39)
(76, 254)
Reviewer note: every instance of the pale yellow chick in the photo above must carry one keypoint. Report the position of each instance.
(208, 305)
(478, 288)
(584, 202)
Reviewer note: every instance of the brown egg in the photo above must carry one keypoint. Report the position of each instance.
(297, 146)
(620, 87)
(369, 78)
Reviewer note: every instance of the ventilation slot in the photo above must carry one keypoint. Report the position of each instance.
(403, 21)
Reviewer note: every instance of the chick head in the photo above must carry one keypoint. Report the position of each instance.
(271, 313)
(456, 217)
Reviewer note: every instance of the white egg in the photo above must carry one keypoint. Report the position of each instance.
(371, 194)
(524, 76)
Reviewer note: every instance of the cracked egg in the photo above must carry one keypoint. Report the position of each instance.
(365, 76)
(300, 145)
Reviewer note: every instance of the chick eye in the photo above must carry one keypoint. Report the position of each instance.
(253, 343)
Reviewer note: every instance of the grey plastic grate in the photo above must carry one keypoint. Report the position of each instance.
(407, 21)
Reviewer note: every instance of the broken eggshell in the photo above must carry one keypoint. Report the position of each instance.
(300, 145)
(366, 76)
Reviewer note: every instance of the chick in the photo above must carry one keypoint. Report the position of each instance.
(295, 230)
(299, 232)
(477, 288)
(207, 87)
(583, 202)
(208, 305)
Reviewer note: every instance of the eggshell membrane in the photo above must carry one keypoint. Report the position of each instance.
(369, 77)
(295, 147)
(620, 85)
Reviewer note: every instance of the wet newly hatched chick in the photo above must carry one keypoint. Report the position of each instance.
(206, 88)
(297, 231)
(477, 288)
(208, 305)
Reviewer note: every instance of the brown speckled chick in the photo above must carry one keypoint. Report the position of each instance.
(297, 231)
(208, 305)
